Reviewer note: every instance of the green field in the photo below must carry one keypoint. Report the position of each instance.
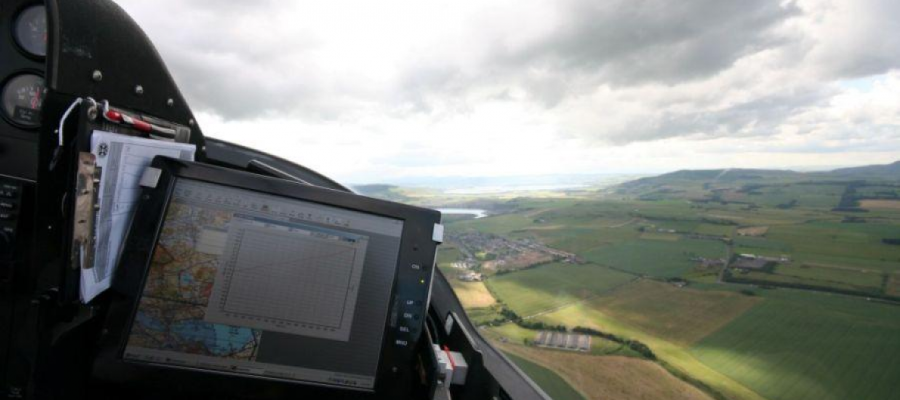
(543, 288)
(679, 315)
(802, 345)
(548, 380)
(448, 255)
(812, 196)
(851, 245)
(656, 257)
(865, 281)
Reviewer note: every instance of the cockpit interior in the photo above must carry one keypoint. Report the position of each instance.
(140, 258)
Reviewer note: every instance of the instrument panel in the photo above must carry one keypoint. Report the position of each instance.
(23, 51)
(23, 96)
(30, 30)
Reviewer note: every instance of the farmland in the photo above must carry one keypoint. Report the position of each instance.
(546, 287)
(803, 346)
(660, 258)
(743, 284)
(611, 377)
(548, 380)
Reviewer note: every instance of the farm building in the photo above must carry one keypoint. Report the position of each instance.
(563, 341)
(752, 264)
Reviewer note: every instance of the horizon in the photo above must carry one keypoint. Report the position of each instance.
(413, 181)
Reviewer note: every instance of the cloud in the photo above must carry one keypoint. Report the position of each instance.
(628, 42)
(545, 85)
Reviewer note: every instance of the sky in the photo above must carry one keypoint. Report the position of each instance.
(379, 91)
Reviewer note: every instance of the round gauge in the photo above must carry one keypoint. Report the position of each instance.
(31, 30)
(22, 100)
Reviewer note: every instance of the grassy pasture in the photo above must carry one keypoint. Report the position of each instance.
(654, 257)
(538, 289)
(549, 381)
(803, 345)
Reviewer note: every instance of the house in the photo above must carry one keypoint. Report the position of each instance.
(471, 277)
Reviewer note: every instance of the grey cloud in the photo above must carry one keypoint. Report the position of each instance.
(624, 43)
(638, 41)
(757, 117)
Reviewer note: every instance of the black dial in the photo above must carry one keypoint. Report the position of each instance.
(23, 97)
(31, 30)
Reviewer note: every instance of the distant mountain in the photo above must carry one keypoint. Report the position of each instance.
(880, 172)
(381, 191)
(887, 171)
(715, 175)
(714, 183)
(692, 181)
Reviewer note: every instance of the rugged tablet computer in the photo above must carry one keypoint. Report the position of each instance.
(230, 273)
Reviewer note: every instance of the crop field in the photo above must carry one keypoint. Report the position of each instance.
(543, 288)
(472, 294)
(679, 315)
(880, 204)
(803, 345)
(655, 257)
(611, 377)
(590, 314)
(549, 381)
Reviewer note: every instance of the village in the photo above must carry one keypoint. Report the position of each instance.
(485, 252)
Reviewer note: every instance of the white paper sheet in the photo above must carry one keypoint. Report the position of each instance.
(123, 160)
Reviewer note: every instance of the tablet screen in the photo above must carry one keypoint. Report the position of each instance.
(254, 284)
